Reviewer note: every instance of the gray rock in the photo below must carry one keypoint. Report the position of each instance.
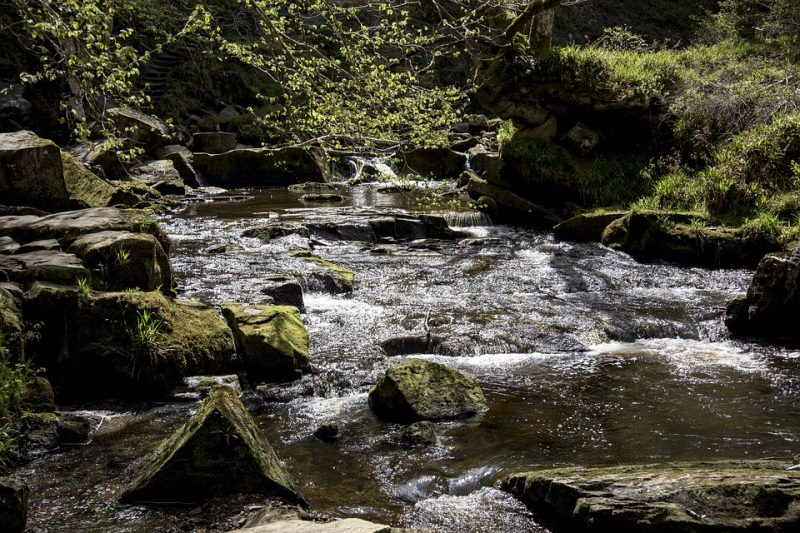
(31, 172)
(8, 245)
(50, 266)
(182, 159)
(286, 291)
(582, 138)
(734, 496)
(161, 175)
(46, 245)
(143, 129)
(586, 227)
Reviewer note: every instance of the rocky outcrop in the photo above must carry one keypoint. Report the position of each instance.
(328, 275)
(31, 172)
(679, 238)
(772, 303)
(586, 227)
(699, 497)
(67, 226)
(124, 344)
(125, 260)
(272, 340)
(13, 505)
(439, 163)
(85, 188)
(219, 451)
(182, 159)
(263, 167)
(416, 389)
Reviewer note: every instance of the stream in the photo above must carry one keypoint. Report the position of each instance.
(586, 357)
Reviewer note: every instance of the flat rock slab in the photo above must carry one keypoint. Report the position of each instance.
(52, 266)
(726, 496)
(348, 525)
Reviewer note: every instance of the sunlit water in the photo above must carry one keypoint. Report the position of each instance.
(586, 357)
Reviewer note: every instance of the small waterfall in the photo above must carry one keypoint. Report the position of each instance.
(467, 219)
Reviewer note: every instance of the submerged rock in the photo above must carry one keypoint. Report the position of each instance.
(272, 340)
(416, 389)
(338, 279)
(322, 198)
(676, 237)
(219, 451)
(772, 303)
(696, 497)
(284, 290)
(13, 505)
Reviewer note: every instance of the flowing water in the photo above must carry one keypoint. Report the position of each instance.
(586, 357)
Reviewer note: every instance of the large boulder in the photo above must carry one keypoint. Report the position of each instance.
(263, 166)
(31, 172)
(416, 389)
(772, 303)
(219, 451)
(272, 340)
(13, 505)
(125, 260)
(687, 498)
(682, 238)
(439, 163)
(124, 344)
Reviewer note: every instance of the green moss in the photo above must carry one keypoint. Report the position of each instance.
(347, 277)
(218, 451)
(273, 341)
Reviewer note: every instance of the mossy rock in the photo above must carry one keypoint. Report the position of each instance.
(772, 303)
(218, 451)
(272, 340)
(343, 278)
(731, 496)
(125, 260)
(683, 238)
(125, 344)
(416, 389)
(84, 187)
(586, 227)
(13, 505)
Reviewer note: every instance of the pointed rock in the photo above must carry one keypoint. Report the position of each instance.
(219, 451)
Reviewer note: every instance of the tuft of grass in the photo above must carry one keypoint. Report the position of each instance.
(84, 287)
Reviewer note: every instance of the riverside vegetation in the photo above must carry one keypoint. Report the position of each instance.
(671, 139)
